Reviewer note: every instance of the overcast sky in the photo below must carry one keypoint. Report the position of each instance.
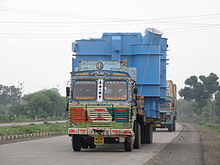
(36, 35)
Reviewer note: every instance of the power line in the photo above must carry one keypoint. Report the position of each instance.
(195, 57)
(71, 15)
(73, 34)
(192, 29)
(52, 13)
(64, 23)
(108, 19)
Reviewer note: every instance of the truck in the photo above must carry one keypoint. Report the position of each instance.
(168, 112)
(117, 84)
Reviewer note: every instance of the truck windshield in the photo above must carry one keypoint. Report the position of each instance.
(84, 90)
(115, 90)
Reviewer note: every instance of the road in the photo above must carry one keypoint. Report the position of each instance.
(29, 123)
(57, 151)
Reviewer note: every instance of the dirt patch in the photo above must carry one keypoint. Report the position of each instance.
(211, 146)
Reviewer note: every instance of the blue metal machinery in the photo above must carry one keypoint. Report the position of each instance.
(146, 53)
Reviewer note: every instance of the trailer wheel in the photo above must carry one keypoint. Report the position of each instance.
(128, 146)
(143, 134)
(76, 145)
(149, 137)
(137, 131)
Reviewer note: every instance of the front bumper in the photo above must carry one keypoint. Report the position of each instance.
(100, 131)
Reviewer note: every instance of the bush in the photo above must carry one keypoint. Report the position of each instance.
(4, 118)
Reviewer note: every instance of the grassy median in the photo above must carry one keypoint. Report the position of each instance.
(28, 129)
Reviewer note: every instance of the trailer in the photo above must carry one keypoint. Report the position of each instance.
(117, 84)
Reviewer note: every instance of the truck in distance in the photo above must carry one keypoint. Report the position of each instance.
(168, 112)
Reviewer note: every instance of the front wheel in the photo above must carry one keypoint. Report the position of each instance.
(91, 143)
(128, 146)
(92, 146)
(76, 144)
(84, 142)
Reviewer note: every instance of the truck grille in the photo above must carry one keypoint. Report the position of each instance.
(99, 115)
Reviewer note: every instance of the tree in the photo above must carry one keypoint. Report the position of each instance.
(18, 110)
(57, 105)
(9, 95)
(44, 104)
(38, 104)
(200, 91)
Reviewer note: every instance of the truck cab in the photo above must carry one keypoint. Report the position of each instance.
(101, 106)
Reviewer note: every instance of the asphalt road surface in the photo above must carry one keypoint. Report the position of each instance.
(58, 151)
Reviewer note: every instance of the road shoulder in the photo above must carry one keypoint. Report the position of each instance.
(211, 146)
(185, 149)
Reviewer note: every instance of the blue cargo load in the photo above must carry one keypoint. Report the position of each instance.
(146, 53)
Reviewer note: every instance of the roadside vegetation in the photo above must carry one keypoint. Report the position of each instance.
(200, 102)
(37, 106)
(28, 129)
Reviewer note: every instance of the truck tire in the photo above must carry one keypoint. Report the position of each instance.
(84, 143)
(92, 146)
(170, 128)
(149, 134)
(174, 125)
(91, 143)
(137, 132)
(128, 146)
(76, 145)
(143, 134)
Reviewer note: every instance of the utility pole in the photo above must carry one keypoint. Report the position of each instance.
(212, 109)
(21, 87)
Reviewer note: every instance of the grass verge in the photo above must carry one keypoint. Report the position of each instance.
(213, 127)
(39, 128)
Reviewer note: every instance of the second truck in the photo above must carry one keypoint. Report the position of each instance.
(168, 112)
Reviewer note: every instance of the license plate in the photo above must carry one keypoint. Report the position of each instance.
(99, 140)
(157, 125)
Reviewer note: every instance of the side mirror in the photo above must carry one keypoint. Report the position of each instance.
(135, 91)
(67, 91)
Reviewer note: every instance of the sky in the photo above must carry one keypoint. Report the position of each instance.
(36, 36)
